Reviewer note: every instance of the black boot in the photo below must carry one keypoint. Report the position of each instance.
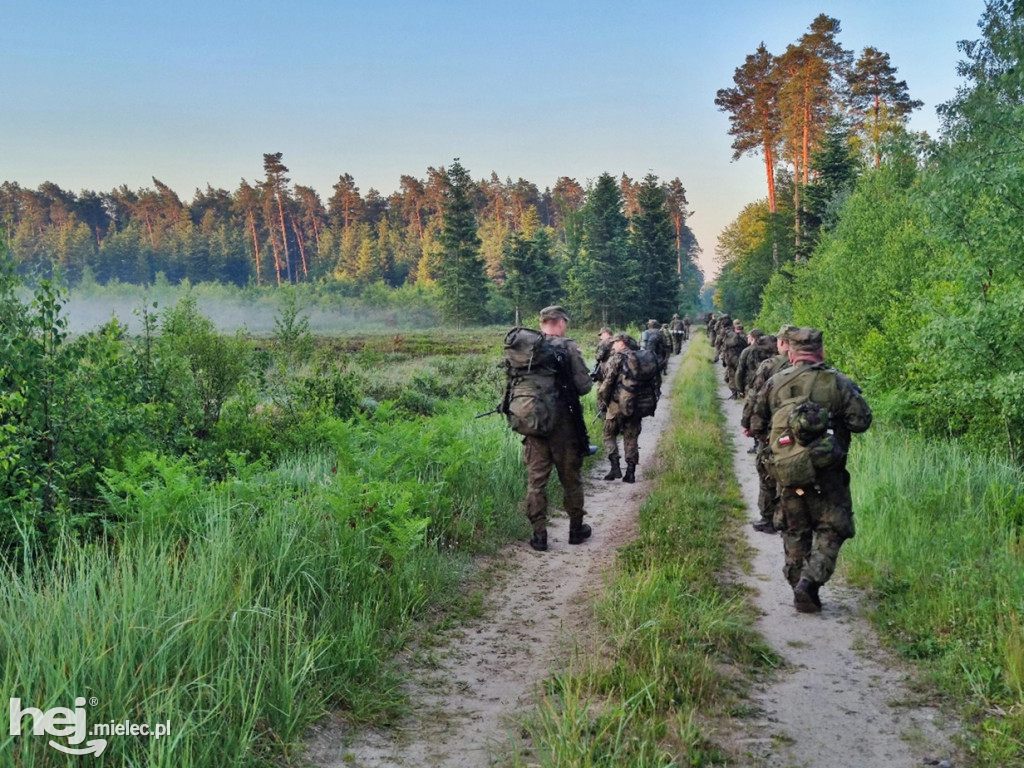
(578, 531)
(630, 476)
(615, 472)
(764, 526)
(803, 596)
(539, 540)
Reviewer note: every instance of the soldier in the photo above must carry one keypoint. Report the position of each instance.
(722, 324)
(817, 511)
(767, 498)
(602, 353)
(759, 348)
(676, 329)
(653, 341)
(620, 419)
(733, 344)
(686, 327)
(563, 449)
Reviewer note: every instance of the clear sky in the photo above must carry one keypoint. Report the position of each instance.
(99, 93)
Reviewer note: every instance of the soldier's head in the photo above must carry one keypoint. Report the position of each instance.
(653, 324)
(755, 335)
(605, 333)
(737, 326)
(782, 338)
(806, 345)
(675, 316)
(553, 320)
(623, 341)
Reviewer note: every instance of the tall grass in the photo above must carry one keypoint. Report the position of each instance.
(670, 627)
(940, 540)
(242, 611)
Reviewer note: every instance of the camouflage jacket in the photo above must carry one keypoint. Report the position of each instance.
(750, 359)
(765, 371)
(848, 410)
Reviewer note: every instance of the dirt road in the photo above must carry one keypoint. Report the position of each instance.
(840, 702)
(837, 703)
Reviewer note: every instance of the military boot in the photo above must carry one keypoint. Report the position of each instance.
(630, 476)
(804, 594)
(539, 540)
(615, 472)
(578, 531)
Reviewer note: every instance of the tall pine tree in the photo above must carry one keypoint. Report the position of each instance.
(462, 279)
(601, 281)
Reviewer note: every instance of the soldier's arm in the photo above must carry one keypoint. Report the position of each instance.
(857, 414)
(578, 366)
(760, 412)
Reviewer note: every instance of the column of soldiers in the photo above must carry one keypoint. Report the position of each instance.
(562, 446)
(801, 413)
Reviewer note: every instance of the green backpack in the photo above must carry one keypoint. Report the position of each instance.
(800, 441)
(639, 384)
(531, 364)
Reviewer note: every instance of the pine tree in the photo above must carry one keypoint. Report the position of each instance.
(462, 279)
(652, 247)
(601, 281)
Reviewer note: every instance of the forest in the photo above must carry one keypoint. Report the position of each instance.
(905, 249)
(485, 247)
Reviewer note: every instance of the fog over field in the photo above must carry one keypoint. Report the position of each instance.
(229, 314)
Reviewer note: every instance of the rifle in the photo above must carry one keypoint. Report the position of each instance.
(502, 406)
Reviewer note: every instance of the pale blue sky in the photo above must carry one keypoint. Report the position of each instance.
(96, 94)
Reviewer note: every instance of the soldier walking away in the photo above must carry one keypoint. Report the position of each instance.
(677, 330)
(686, 327)
(654, 341)
(733, 343)
(601, 353)
(767, 497)
(628, 392)
(542, 403)
(808, 413)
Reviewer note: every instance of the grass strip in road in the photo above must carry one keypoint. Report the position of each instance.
(671, 634)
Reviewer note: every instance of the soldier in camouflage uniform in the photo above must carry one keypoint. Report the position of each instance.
(686, 327)
(602, 353)
(733, 344)
(562, 449)
(653, 340)
(675, 328)
(615, 422)
(722, 325)
(817, 518)
(759, 348)
(768, 493)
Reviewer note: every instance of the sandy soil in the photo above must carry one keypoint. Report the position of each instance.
(837, 702)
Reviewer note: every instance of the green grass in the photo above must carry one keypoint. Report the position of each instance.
(940, 544)
(669, 627)
(243, 611)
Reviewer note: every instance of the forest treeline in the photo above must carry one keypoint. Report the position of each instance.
(915, 273)
(487, 247)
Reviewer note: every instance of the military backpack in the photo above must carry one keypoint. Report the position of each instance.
(800, 441)
(531, 364)
(639, 383)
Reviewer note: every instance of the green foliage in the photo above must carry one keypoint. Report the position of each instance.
(462, 280)
(652, 248)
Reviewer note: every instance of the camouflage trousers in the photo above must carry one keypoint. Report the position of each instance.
(768, 490)
(560, 451)
(677, 343)
(815, 523)
(627, 426)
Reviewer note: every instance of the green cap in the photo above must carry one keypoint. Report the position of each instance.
(554, 312)
(805, 340)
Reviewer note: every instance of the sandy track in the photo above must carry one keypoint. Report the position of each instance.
(491, 669)
(839, 701)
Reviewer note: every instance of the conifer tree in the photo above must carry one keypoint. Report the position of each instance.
(602, 281)
(652, 248)
(461, 279)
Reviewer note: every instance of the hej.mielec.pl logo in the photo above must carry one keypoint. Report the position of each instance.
(70, 723)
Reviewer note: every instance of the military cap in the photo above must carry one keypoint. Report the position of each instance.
(805, 340)
(554, 312)
(626, 339)
(652, 323)
(757, 333)
(604, 329)
(784, 332)
(737, 324)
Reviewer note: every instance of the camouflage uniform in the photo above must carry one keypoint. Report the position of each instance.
(722, 325)
(617, 423)
(760, 350)
(815, 520)
(733, 344)
(768, 492)
(686, 327)
(676, 329)
(654, 341)
(601, 354)
(561, 450)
